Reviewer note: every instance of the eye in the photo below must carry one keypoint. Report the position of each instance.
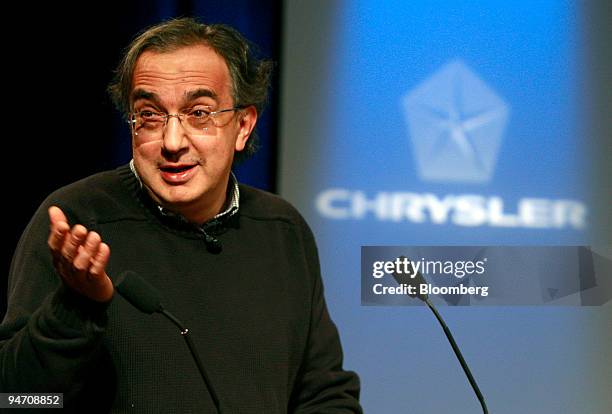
(199, 113)
(147, 114)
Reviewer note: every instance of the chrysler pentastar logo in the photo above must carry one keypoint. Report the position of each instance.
(456, 123)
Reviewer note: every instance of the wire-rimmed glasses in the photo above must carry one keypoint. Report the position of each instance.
(149, 124)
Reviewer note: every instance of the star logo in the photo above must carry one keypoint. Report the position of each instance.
(456, 124)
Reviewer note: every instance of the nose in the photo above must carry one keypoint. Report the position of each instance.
(175, 137)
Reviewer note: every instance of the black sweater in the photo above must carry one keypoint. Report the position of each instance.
(255, 311)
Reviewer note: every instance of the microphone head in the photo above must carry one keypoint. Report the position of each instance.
(139, 292)
(409, 280)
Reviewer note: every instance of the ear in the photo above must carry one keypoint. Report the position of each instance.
(246, 124)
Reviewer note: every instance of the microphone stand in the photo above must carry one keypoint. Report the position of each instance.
(464, 365)
(418, 279)
(185, 334)
(147, 299)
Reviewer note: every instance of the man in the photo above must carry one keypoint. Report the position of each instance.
(238, 266)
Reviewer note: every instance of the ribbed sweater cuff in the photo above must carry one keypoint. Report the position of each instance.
(77, 311)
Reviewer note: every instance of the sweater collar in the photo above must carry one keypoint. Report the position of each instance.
(231, 209)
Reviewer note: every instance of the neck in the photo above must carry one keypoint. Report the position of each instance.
(212, 203)
(201, 214)
(197, 213)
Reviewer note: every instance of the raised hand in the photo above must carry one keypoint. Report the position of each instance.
(79, 257)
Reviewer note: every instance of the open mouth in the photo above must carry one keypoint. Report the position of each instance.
(177, 174)
(176, 170)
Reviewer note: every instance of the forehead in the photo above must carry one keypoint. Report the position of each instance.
(191, 66)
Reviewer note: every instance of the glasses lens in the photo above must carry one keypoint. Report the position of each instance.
(147, 124)
(222, 117)
(197, 121)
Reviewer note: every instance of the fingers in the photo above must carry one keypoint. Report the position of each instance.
(99, 261)
(80, 257)
(86, 251)
(58, 229)
(76, 246)
(56, 215)
(73, 241)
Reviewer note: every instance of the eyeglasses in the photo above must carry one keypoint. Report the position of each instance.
(149, 124)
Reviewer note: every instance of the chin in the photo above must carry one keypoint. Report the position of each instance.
(172, 198)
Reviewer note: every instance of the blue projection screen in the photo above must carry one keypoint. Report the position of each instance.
(446, 123)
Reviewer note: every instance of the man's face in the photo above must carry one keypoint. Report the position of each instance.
(184, 172)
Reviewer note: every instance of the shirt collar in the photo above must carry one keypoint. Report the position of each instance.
(230, 210)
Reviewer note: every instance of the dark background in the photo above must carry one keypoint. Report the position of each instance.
(60, 125)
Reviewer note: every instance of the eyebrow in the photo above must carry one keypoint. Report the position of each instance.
(199, 93)
(143, 94)
(189, 95)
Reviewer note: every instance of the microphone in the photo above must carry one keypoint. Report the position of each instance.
(418, 280)
(144, 297)
(213, 245)
(139, 292)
